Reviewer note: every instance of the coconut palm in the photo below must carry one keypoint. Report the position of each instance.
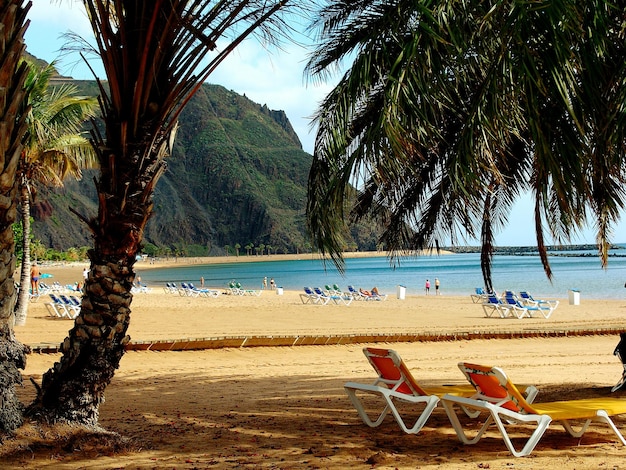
(450, 111)
(12, 131)
(53, 150)
(156, 55)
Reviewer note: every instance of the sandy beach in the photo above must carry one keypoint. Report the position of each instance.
(182, 406)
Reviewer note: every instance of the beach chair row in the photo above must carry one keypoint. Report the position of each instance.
(63, 306)
(54, 288)
(317, 296)
(512, 305)
(360, 294)
(489, 398)
(334, 294)
(140, 288)
(235, 288)
(187, 289)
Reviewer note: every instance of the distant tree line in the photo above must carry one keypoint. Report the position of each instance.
(39, 252)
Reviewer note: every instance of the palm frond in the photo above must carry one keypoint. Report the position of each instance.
(451, 111)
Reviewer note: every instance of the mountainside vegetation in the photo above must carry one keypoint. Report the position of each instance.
(237, 178)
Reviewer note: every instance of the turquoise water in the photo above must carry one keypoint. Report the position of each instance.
(459, 274)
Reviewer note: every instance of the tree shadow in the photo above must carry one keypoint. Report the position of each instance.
(304, 421)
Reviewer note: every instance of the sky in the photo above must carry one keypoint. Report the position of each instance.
(274, 78)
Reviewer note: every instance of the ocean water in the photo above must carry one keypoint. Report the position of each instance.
(459, 274)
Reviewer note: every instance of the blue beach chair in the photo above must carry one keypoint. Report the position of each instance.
(521, 310)
(493, 304)
(528, 299)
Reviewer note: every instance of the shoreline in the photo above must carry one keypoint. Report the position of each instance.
(188, 261)
(69, 272)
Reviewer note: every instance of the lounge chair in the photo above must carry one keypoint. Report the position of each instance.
(185, 291)
(234, 288)
(356, 295)
(372, 295)
(57, 287)
(72, 308)
(528, 299)
(56, 308)
(44, 288)
(336, 299)
(504, 403)
(201, 291)
(339, 291)
(197, 292)
(138, 288)
(377, 296)
(330, 290)
(396, 383)
(494, 305)
(62, 307)
(336, 290)
(315, 296)
(170, 288)
(521, 310)
(308, 297)
(517, 309)
(255, 292)
(479, 296)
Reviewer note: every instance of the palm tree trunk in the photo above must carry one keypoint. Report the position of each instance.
(21, 309)
(12, 131)
(74, 388)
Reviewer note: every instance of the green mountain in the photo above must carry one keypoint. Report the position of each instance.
(237, 176)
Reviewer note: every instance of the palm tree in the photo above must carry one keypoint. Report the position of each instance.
(450, 111)
(53, 150)
(156, 55)
(13, 97)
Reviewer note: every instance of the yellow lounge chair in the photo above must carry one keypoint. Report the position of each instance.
(395, 382)
(503, 401)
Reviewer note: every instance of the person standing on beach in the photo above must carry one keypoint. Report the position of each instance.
(85, 276)
(272, 284)
(34, 279)
(427, 286)
(437, 286)
(265, 282)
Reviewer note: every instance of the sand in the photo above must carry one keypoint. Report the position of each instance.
(285, 407)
